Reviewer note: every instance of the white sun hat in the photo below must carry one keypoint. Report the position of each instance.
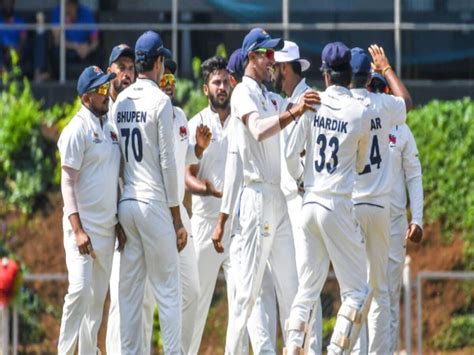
(290, 53)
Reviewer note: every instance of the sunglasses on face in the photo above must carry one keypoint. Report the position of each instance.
(167, 79)
(267, 52)
(102, 90)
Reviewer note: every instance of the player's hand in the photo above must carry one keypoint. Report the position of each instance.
(121, 237)
(217, 238)
(203, 136)
(211, 189)
(379, 59)
(181, 236)
(308, 102)
(83, 243)
(414, 233)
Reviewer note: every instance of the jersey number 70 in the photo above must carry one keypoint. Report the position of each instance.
(137, 145)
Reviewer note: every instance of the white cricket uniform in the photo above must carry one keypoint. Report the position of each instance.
(335, 139)
(93, 150)
(262, 322)
(371, 198)
(407, 175)
(204, 219)
(294, 200)
(265, 227)
(144, 117)
(184, 154)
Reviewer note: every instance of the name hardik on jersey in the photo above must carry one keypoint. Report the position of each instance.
(335, 139)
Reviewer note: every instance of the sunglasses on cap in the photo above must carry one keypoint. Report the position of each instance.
(167, 79)
(267, 52)
(102, 90)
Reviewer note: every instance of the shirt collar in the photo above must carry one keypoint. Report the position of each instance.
(338, 90)
(299, 89)
(360, 92)
(86, 113)
(253, 84)
(146, 81)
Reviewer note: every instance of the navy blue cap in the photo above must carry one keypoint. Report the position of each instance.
(92, 77)
(235, 65)
(150, 45)
(119, 51)
(258, 38)
(336, 56)
(360, 61)
(380, 77)
(170, 64)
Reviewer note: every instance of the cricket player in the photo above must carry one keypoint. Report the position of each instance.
(265, 227)
(406, 176)
(149, 207)
(335, 141)
(122, 63)
(90, 159)
(288, 79)
(185, 153)
(373, 184)
(261, 327)
(205, 181)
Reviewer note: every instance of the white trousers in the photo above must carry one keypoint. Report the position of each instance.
(150, 251)
(329, 233)
(266, 237)
(294, 210)
(374, 219)
(209, 263)
(84, 302)
(396, 262)
(189, 289)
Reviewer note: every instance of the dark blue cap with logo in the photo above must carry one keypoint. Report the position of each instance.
(92, 77)
(258, 38)
(336, 56)
(149, 45)
(360, 61)
(122, 50)
(235, 65)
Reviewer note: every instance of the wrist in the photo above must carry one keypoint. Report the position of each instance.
(386, 69)
(291, 114)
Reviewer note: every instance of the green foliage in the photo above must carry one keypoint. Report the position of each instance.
(30, 307)
(25, 157)
(458, 334)
(189, 97)
(445, 138)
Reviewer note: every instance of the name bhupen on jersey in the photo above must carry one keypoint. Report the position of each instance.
(131, 116)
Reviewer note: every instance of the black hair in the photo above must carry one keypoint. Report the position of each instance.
(341, 78)
(146, 65)
(170, 64)
(296, 67)
(359, 80)
(73, 2)
(212, 65)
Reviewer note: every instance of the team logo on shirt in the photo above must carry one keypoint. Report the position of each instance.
(183, 132)
(392, 139)
(96, 137)
(275, 104)
(114, 137)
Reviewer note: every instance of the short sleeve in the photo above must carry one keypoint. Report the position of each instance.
(242, 103)
(72, 145)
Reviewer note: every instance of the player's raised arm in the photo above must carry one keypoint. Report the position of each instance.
(380, 64)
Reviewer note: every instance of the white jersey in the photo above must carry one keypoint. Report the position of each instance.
(406, 170)
(212, 163)
(386, 111)
(144, 118)
(336, 139)
(93, 150)
(261, 160)
(288, 183)
(184, 150)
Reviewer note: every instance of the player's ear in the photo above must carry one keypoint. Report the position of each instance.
(109, 70)
(205, 89)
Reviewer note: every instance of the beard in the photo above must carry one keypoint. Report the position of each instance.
(278, 83)
(218, 102)
(100, 108)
